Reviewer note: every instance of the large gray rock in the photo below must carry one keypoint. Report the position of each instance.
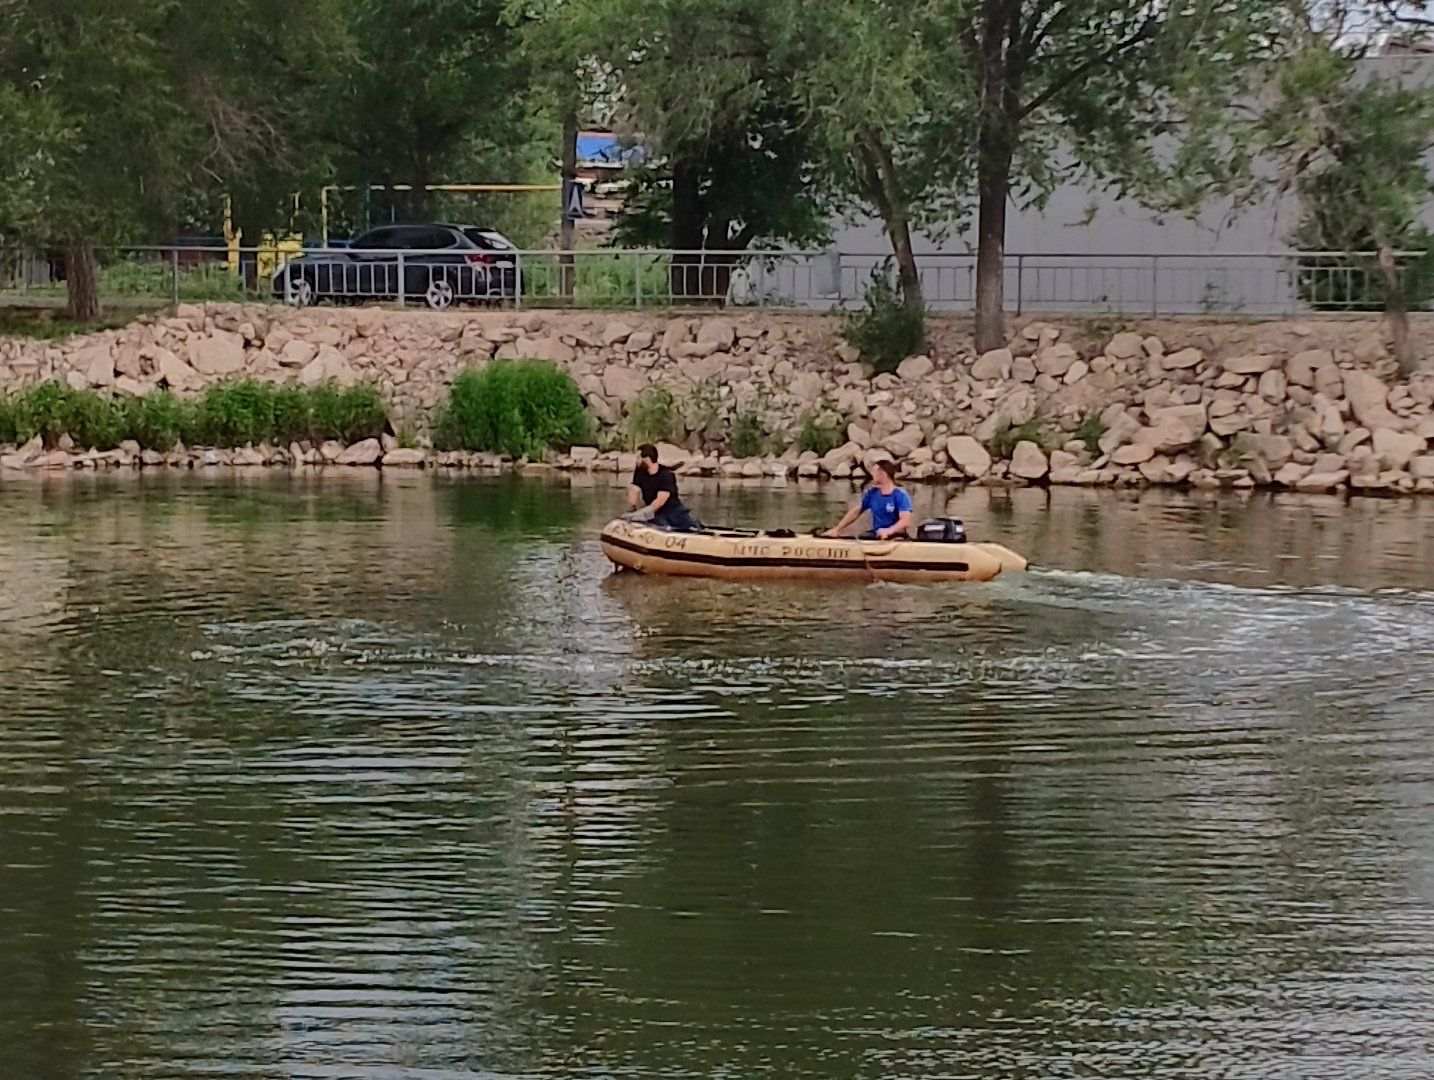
(1185, 358)
(1396, 448)
(622, 384)
(995, 364)
(1125, 346)
(968, 455)
(1301, 367)
(615, 333)
(178, 375)
(96, 363)
(402, 458)
(1055, 360)
(808, 387)
(1029, 461)
(718, 332)
(915, 368)
(904, 441)
(219, 354)
(1191, 418)
(1256, 364)
(366, 452)
(1368, 400)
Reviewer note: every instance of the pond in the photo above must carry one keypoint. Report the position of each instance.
(356, 776)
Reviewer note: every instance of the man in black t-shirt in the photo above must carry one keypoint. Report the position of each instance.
(653, 495)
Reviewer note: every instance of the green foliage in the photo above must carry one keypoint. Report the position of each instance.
(1091, 430)
(1008, 435)
(600, 280)
(158, 421)
(348, 414)
(885, 330)
(701, 408)
(749, 433)
(822, 430)
(52, 410)
(234, 414)
(653, 417)
(230, 414)
(1239, 450)
(520, 408)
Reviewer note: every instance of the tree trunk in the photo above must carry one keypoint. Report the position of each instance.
(879, 180)
(81, 282)
(1395, 316)
(993, 182)
(907, 273)
(688, 233)
(567, 230)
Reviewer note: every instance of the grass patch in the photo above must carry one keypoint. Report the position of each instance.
(48, 324)
(520, 408)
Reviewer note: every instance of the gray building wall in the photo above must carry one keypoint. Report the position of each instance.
(1086, 249)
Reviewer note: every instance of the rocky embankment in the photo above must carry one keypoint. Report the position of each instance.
(1312, 406)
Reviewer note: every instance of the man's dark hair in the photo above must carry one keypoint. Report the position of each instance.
(648, 451)
(886, 465)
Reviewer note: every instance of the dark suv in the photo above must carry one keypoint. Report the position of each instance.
(442, 265)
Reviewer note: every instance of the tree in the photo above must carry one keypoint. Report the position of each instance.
(1355, 152)
(1131, 92)
(729, 145)
(129, 117)
(884, 90)
(434, 91)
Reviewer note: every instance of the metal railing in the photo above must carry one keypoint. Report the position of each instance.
(1264, 283)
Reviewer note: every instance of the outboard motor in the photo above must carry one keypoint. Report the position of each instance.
(942, 531)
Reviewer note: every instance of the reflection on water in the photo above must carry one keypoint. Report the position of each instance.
(363, 777)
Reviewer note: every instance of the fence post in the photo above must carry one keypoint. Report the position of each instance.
(517, 281)
(637, 278)
(1154, 285)
(174, 273)
(1020, 284)
(401, 282)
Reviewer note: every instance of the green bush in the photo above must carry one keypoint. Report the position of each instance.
(230, 414)
(520, 408)
(653, 417)
(159, 421)
(1090, 431)
(52, 410)
(1003, 443)
(347, 414)
(884, 330)
(234, 414)
(822, 431)
(7, 419)
(749, 434)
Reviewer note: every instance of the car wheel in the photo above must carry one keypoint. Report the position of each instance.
(439, 295)
(299, 293)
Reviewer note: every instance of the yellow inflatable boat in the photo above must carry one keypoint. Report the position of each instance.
(739, 555)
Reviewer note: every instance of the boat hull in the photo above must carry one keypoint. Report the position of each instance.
(740, 556)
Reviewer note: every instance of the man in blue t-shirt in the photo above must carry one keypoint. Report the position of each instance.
(888, 505)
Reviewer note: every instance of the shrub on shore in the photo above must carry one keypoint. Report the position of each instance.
(230, 414)
(516, 407)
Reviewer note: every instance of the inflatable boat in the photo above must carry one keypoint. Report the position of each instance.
(740, 555)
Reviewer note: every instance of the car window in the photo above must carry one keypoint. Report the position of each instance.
(376, 238)
(488, 240)
(424, 238)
